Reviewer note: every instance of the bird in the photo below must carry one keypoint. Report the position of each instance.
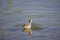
(27, 27)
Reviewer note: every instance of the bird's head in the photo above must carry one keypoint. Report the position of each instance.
(30, 20)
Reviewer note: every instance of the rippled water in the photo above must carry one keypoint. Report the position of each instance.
(43, 12)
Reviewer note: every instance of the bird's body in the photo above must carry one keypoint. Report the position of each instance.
(27, 27)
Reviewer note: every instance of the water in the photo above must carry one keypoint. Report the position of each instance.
(44, 12)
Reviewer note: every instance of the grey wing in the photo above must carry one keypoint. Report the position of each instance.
(23, 25)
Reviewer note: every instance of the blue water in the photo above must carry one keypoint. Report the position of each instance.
(43, 12)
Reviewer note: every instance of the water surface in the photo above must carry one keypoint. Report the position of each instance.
(44, 12)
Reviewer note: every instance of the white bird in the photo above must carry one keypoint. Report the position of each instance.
(27, 27)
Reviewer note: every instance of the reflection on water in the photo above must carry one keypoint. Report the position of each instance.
(42, 12)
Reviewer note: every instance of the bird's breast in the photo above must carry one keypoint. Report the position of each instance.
(27, 26)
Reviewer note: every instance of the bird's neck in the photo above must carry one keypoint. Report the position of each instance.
(30, 22)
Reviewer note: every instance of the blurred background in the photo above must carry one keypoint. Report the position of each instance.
(14, 13)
